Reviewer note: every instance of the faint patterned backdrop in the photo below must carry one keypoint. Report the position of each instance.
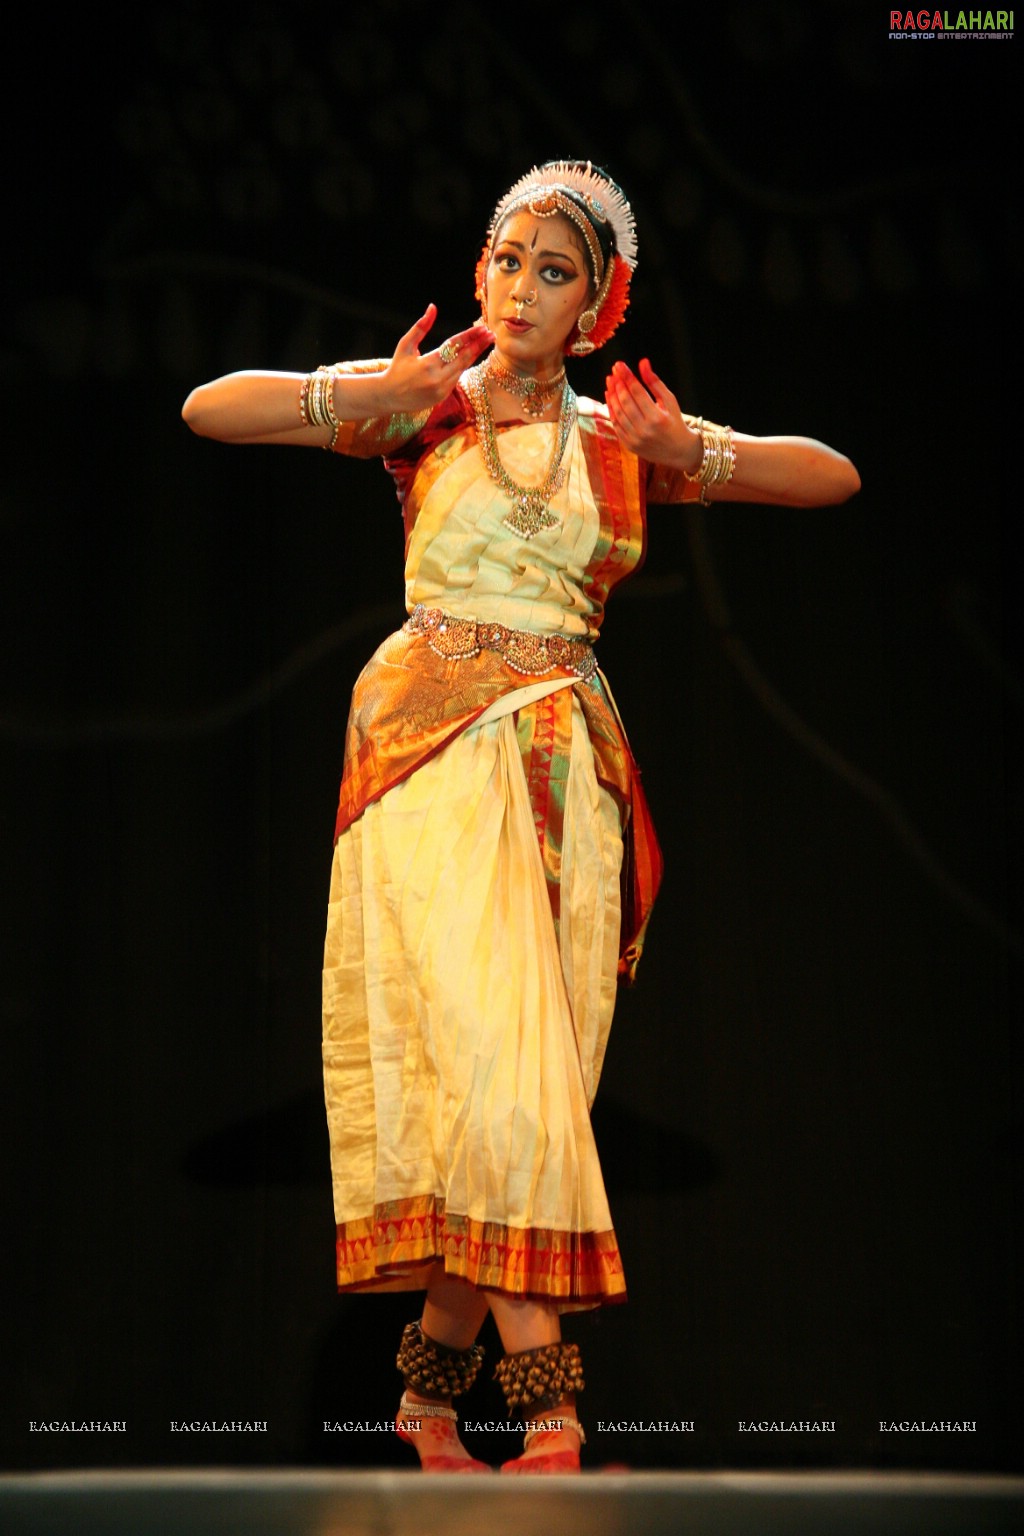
(810, 1118)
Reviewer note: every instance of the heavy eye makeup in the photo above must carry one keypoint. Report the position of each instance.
(561, 270)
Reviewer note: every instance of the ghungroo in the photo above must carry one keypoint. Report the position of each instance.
(434, 1368)
(535, 1379)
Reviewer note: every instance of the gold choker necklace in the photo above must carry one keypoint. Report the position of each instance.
(536, 394)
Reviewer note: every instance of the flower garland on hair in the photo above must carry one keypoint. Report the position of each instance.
(612, 312)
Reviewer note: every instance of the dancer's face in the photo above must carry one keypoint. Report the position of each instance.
(542, 263)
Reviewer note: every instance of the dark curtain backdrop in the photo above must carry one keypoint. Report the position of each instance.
(810, 1117)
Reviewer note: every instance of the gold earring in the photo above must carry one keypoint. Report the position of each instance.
(585, 324)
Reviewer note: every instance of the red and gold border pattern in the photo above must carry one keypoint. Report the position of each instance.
(388, 1250)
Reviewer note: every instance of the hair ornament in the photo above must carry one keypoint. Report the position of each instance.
(603, 200)
(608, 310)
(561, 187)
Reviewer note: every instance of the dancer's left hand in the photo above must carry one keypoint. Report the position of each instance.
(647, 418)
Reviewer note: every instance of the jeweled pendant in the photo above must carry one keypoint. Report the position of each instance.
(528, 516)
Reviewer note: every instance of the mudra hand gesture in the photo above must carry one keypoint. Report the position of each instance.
(415, 380)
(648, 420)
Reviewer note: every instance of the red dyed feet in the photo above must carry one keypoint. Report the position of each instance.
(430, 1428)
(550, 1452)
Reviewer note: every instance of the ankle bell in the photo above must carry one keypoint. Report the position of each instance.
(537, 1379)
(436, 1369)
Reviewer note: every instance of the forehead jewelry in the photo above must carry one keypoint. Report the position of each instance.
(590, 202)
(544, 192)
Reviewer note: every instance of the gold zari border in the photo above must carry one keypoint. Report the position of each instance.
(388, 1251)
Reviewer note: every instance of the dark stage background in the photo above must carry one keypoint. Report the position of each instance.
(810, 1118)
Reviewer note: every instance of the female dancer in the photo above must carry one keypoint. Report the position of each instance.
(495, 864)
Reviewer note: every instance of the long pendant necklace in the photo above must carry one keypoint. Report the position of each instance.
(530, 511)
(536, 394)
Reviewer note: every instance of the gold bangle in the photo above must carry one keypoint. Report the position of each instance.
(718, 454)
(318, 397)
(327, 393)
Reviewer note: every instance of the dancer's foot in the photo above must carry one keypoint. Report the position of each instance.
(550, 1451)
(430, 1427)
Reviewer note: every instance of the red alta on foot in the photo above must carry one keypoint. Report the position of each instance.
(435, 1440)
(544, 1463)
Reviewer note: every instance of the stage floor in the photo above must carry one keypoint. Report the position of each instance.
(311, 1503)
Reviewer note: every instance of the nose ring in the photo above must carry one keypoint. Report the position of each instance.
(526, 302)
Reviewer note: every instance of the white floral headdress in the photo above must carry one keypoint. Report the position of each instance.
(539, 192)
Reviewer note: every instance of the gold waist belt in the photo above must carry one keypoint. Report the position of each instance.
(533, 655)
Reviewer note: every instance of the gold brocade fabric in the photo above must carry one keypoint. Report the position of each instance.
(483, 888)
(409, 703)
(404, 1237)
(463, 1035)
